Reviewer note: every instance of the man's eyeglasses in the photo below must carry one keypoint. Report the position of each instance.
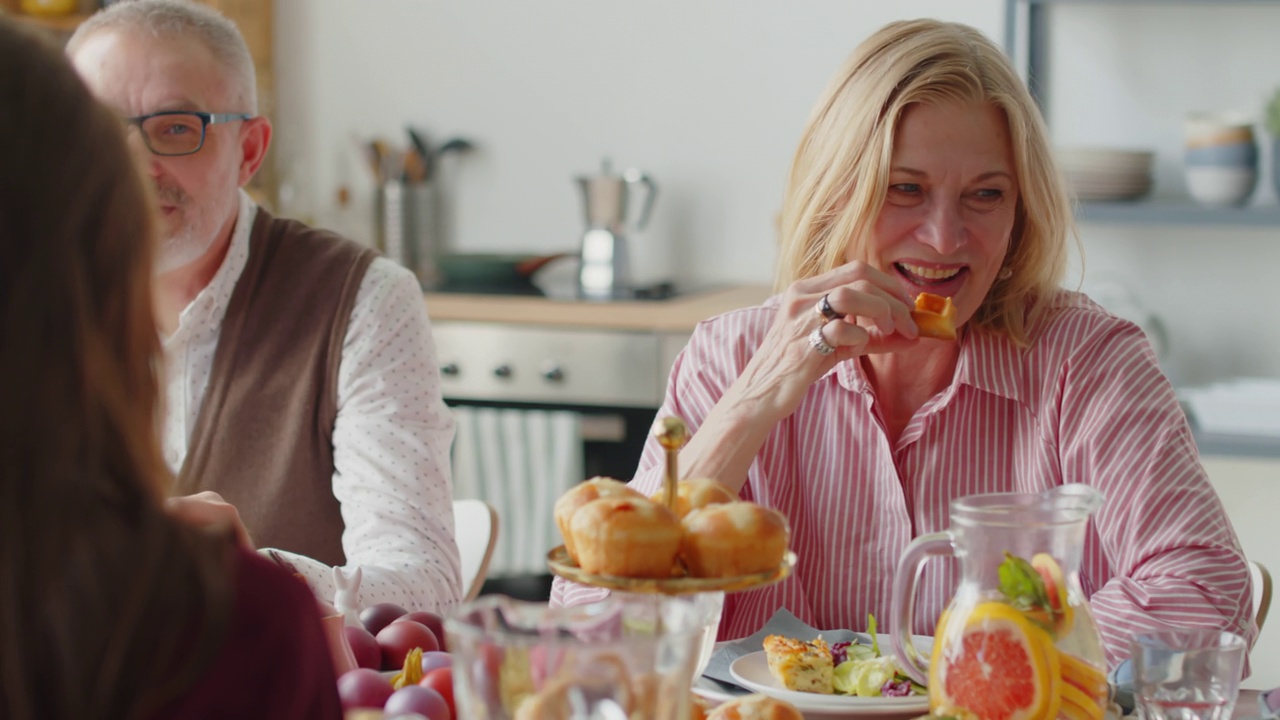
(179, 132)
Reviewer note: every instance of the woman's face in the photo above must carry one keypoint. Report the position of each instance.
(948, 213)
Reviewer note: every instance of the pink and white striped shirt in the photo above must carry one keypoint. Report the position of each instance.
(1086, 403)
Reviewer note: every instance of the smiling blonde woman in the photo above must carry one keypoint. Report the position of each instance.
(926, 168)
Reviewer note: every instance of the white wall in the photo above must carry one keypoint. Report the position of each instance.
(707, 96)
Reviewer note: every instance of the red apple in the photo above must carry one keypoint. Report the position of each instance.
(363, 688)
(434, 622)
(441, 680)
(364, 647)
(398, 638)
(376, 617)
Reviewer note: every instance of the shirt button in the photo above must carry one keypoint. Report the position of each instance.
(171, 457)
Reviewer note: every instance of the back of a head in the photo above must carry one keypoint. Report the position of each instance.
(81, 477)
(840, 171)
(191, 21)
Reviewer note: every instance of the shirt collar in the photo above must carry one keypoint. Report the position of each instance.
(988, 361)
(209, 306)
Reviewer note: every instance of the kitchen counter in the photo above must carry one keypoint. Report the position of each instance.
(679, 314)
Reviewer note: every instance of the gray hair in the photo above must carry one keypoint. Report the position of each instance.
(174, 18)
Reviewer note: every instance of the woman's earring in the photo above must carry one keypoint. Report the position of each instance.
(1004, 274)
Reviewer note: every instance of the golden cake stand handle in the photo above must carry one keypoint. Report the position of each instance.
(672, 434)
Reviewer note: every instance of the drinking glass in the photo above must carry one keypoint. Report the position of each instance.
(631, 656)
(1187, 674)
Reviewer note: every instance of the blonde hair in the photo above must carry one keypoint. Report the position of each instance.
(178, 18)
(839, 176)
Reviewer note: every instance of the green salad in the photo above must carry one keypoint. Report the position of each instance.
(862, 671)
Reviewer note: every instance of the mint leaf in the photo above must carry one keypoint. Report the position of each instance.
(1022, 585)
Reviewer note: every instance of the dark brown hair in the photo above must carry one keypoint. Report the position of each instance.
(108, 608)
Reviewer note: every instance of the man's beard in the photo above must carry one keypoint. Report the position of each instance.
(197, 228)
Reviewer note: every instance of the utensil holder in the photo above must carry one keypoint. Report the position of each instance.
(423, 232)
(409, 230)
(391, 221)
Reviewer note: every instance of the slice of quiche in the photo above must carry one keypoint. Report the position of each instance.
(799, 665)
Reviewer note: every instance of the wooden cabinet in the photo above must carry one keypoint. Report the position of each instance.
(253, 17)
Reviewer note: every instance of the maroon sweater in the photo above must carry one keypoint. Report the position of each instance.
(275, 661)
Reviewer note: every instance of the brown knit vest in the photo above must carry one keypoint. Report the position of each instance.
(264, 436)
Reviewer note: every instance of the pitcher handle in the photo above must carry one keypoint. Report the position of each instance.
(651, 189)
(904, 599)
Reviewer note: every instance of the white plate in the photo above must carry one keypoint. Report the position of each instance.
(752, 672)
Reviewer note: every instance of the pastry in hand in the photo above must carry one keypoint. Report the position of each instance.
(799, 665)
(935, 316)
(695, 493)
(732, 539)
(755, 707)
(631, 537)
(581, 494)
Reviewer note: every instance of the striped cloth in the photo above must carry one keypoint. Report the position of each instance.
(520, 461)
(1087, 403)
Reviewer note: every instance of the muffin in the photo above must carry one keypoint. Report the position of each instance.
(581, 494)
(731, 539)
(755, 707)
(626, 536)
(696, 493)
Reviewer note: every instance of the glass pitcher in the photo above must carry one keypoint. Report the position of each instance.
(1017, 641)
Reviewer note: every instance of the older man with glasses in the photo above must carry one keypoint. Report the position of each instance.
(303, 402)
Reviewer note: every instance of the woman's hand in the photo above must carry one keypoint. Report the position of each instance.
(865, 312)
(208, 509)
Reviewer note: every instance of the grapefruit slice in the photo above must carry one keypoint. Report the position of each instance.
(1077, 705)
(1080, 674)
(999, 666)
(1056, 587)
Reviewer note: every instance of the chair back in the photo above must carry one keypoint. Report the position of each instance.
(475, 526)
(1261, 592)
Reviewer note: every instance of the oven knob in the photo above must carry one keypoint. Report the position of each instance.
(553, 373)
(502, 371)
(450, 369)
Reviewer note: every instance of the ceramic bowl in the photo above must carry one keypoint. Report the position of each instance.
(1240, 155)
(1201, 130)
(1220, 186)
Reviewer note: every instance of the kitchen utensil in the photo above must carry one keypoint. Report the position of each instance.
(605, 270)
(1019, 608)
(493, 272)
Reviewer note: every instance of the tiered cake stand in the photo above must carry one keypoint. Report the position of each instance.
(671, 434)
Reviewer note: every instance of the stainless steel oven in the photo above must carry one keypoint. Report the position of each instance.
(540, 408)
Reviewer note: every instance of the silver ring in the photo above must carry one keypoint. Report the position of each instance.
(824, 309)
(819, 342)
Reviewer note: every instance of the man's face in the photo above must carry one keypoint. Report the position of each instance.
(136, 74)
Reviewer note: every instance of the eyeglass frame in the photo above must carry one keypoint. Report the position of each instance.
(206, 119)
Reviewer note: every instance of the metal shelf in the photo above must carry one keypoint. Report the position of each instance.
(1149, 2)
(1031, 27)
(1176, 211)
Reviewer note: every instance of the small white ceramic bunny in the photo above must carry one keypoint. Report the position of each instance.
(346, 598)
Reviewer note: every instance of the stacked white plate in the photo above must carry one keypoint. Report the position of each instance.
(1243, 406)
(1106, 174)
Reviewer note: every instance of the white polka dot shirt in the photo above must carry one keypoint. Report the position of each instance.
(390, 441)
